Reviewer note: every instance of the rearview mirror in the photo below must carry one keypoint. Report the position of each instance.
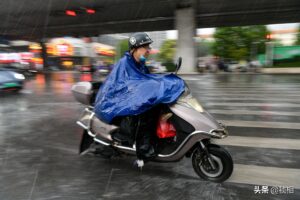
(178, 64)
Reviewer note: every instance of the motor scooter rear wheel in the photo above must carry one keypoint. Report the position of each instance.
(222, 161)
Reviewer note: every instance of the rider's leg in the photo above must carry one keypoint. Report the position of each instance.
(146, 137)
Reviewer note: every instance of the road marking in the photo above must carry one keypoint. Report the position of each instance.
(267, 91)
(33, 185)
(24, 91)
(260, 142)
(57, 103)
(286, 105)
(253, 112)
(262, 98)
(211, 94)
(268, 176)
(278, 87)
(243, 88)
(259, 124)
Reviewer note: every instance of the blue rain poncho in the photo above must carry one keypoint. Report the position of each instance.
(131, 90)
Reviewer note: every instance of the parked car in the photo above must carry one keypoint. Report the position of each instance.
(10, 80)
(24, 69)
(241, 66)
(204, 64)
(255, 66)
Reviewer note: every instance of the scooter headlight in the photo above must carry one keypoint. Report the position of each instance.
(194, 104)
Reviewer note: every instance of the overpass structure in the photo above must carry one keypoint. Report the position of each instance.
(37, 19)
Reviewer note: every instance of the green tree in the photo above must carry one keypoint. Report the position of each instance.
(240, 42)
(204, 48)
(122, 47)
(166, 54)
(167, 51)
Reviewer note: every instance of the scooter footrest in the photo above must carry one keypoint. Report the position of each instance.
(118, 137)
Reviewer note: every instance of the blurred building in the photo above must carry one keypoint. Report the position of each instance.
(206, 37)
(158, 38)
(285, 36)
(113, 39)
(74, 53)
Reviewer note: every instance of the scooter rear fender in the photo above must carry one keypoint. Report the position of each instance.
(94, 126)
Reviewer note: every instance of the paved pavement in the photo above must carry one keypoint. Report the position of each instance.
(39, 142)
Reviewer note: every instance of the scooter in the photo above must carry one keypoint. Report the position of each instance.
(184, 129)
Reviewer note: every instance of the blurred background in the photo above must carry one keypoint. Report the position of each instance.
(84, 36)
(229, 49)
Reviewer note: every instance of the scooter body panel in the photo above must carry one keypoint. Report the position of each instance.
(100, 128)
(201, 121)
(90, 122)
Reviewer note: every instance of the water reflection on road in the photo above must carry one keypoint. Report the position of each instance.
(58, 83)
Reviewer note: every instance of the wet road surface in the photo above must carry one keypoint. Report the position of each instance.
(39, 143)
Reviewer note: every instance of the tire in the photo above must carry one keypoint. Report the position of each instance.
(222, 160)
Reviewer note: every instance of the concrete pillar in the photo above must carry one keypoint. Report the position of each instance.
(185, 23)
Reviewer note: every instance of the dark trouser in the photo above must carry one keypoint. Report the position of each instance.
(146, 139)
(142, 129)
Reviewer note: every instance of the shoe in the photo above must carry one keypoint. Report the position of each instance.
(147, 151)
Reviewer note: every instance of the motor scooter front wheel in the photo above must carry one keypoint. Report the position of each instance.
(222, 161)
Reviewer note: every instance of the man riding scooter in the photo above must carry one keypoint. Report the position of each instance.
(131, 96)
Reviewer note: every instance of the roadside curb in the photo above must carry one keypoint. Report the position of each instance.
(292, 70)
(295, 70)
